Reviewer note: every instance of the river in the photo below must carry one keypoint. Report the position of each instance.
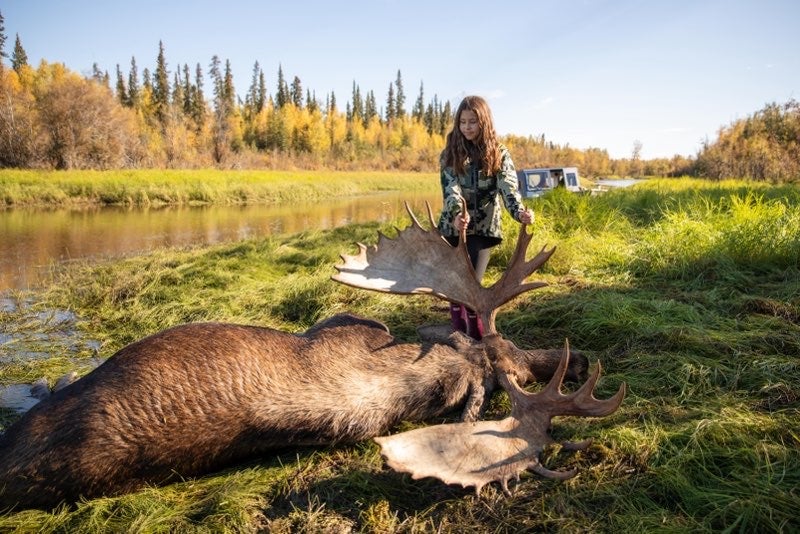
(32, 240)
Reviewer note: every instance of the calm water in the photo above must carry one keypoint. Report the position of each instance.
(32, 240)
(619, 182)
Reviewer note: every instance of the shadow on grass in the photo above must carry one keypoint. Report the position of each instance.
(350, 494)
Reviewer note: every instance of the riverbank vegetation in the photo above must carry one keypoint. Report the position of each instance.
(688, 291)
(143, 187)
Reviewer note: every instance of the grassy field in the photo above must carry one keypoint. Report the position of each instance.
(688, 291)
(208, 186)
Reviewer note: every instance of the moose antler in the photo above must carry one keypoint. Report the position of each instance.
(479, 453)
(416, 257)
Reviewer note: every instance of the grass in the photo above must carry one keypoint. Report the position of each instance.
(687, 291)
(207, 186)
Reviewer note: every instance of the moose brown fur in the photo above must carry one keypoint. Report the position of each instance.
(196, 398)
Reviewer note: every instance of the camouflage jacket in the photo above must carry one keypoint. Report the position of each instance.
(483, 195)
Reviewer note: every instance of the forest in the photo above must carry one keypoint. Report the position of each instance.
(54, 118)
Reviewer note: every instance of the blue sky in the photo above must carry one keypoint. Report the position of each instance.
(591, 73)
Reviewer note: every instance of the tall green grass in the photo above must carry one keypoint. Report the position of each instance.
(687, 291)
(206, 186)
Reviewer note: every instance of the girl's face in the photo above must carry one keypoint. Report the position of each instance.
(469, 125)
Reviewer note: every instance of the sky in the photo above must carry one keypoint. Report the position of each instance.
(608, 74)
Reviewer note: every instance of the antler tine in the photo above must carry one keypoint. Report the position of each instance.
(586, 404)
(419, 261)
(553, 387)
(414, 217)
(512, 282)
(581, 402)
(416, 261)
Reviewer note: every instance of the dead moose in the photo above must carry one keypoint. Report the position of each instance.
(196, 398)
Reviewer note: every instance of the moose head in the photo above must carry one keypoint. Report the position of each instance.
(420, 261)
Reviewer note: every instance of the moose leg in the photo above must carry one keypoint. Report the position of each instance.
(480, 393)
(475, 402)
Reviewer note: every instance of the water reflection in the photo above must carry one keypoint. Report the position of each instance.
(31, 240)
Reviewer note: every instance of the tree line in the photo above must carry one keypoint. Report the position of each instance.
(763, 147)
(54, 118)
(51, 117)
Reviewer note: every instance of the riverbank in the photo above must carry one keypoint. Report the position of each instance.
(24, 188)
(687, 291)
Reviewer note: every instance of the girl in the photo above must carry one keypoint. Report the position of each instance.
(477, 168)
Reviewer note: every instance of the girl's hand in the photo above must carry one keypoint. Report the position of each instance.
(525, 216)
(461, 221)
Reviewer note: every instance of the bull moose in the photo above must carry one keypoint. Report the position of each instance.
(199, 397)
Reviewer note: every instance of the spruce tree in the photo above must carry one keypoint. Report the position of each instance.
(222, 108)
(429, 119)
(437, 115)
(391, 110)
(161, 86)
(447, 118)
(187, 92)
(332, 103)
(177, 91)
(147, 83)
(358, 104)
(282, 96)
(261, 100)
(122, 93)
(198, 99)
(19, 58)
(3, 53)
(311, 101)
(400, 97)
(216, 80)
(370, 107)
(251, 100)
(134, 93)
(228, 90)
(297, 93)
(418, 112)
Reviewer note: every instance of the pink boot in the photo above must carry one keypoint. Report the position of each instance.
(457, 318)
(474, 325)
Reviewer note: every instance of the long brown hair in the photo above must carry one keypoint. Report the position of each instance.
(457, 148)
